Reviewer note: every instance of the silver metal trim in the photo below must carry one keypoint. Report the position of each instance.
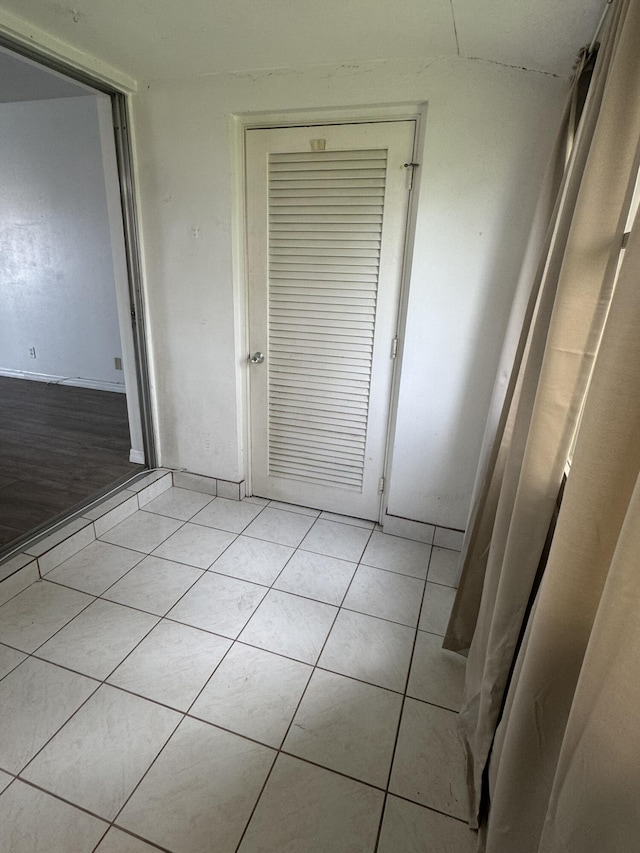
(120, 109)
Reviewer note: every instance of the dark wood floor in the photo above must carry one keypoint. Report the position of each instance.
(59, 445)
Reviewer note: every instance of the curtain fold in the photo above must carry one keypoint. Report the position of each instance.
(565, 768)
(521, 473)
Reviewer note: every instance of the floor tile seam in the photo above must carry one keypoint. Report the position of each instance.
(445, 585)
(141, 509)
(272, 587)
(175, 621)
(291, 556)
(59, 529)
(380, 788)
(346, 523)
(172, 517)
(221, 529)
(128, 832)
(375, 616)
(287, 750)
(233, 642)
(429, 808)
(314, 668)
(355, 572)
(14, 649)
(393, 571)
(127, 572)
(67, 668)
(212, 571)
(295, 512)
(255, 805)
(333, 556)
(106, 683)
(29, 565)
(401, 536)
(130, 652)
(62, 799)
(402, 707)
(271, 541)
(254, 740)
(381, 820)
(269, 651)
(236, 639)
(69, 621)
(191, 565)
(14, 778)
(140, 641)
(144, 775)
(434, 634)
(144, 508)
(206, 568)
(185, 716)
(101, 597)
(131, 692)
(299, 596)
(433, 704)
(359, 680)
(113, 822)
(58, 730)
(111, 545)
(447, 548)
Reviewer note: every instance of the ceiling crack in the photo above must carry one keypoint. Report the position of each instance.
(455, 28)
(518, 67)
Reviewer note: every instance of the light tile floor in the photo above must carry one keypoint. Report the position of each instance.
(214, 676)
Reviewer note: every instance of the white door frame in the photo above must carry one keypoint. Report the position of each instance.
(415, 111)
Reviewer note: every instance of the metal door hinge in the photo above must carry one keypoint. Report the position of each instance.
(381, 486)
(410, 167)
(394, 348)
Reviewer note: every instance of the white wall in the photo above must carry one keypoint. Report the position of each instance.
(56, 263)
(489, 130)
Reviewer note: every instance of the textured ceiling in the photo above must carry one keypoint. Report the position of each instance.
(160, 39)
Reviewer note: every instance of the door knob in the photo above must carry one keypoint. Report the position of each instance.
(256, 358)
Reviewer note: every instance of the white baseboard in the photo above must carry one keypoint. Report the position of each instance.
(136, 456)
(77, 381)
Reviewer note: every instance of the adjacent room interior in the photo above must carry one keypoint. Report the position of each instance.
(64, 401)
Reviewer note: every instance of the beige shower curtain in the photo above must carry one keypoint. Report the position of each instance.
(524, 465)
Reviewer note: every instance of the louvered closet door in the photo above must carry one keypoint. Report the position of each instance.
(326, 231)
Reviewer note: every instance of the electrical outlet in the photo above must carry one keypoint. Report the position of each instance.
(32, 352)
(118, 363)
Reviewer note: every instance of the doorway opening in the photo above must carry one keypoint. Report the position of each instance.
(74, 390)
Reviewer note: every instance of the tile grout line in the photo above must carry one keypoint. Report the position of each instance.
(315, 667)
(402, 706)
(297, 708)
(186, 714)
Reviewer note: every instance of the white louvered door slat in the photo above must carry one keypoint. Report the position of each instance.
(325, 241)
